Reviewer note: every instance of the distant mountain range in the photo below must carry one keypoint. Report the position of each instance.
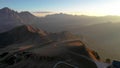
(51, 23)
(21, 36)
(60, 22)
(20, 27)
(99, 32)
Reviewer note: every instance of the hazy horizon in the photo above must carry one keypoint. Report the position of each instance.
(73, 7)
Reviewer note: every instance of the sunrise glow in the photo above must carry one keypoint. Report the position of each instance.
(73, 7)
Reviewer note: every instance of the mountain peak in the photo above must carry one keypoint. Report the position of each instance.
(26, 13)
(6, 9)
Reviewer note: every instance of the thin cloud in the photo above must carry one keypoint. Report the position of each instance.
(43, 12)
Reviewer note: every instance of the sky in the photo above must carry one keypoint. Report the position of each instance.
(74, 7)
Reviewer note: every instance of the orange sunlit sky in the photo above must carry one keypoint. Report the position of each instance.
(74, 7)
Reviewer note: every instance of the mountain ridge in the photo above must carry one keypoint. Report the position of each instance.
(21, 34)
(10, 19)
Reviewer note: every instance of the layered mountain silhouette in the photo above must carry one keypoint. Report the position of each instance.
(98, 32)
(45, 49)
(61, 22)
